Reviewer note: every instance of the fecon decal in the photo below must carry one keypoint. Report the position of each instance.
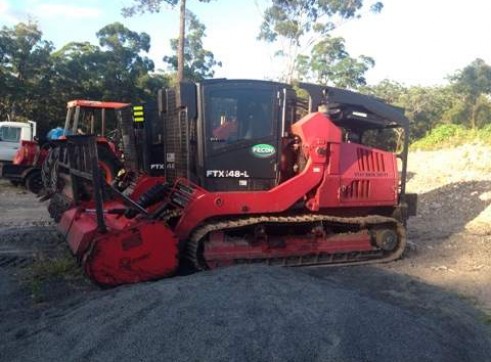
(263, 150)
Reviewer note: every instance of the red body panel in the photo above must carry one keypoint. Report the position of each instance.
(363, 177)
(208, 204)
(26, 154)
(129, 251)
(332, 166)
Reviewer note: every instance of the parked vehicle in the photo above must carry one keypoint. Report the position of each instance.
(11, 136)
(292, 182)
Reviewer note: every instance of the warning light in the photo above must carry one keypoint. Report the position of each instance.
(138, 114)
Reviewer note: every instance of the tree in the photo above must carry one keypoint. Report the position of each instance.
(36, 82)
(303, 27)
(425, 107)
(25, 70)
(121, 61)
(154, 6)
(115, 70)
(473, 84)
(330, 62)
(79, 70)
(388, 90)
(198, 62)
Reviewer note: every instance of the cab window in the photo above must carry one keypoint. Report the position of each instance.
(10, 134)
(237, 115)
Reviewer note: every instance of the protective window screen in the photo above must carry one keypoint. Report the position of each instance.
(387, 139)
(90, 121)
(237, 115)
(10, 134)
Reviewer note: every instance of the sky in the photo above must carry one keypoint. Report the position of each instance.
(417, 42)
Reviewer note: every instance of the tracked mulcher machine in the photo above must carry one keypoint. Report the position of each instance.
(252, 173)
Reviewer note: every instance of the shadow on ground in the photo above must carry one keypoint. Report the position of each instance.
(445, 211)
(255, 313)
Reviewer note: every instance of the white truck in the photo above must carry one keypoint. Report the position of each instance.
(11, 136)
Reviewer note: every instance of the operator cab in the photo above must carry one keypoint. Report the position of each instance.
(240, 127)
(234, 135)
(226, 135)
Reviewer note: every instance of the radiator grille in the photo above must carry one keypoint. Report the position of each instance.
(370, 161)
(357, 189)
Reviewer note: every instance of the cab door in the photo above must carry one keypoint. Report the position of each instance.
(9, 142)
(241, 132)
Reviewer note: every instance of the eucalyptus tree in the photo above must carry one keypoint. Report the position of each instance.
(303, 30)
(25, 70)
(473, 85)
(122, 61)
(154, 6)
(198, 63)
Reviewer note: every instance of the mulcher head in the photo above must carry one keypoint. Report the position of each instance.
(113, 246)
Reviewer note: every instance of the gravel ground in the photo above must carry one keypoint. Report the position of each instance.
(255, 314)
(451, 235)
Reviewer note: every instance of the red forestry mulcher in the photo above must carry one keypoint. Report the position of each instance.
(252, 173)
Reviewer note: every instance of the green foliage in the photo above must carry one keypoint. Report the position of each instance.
(198, 62)
(61, 267)
(43, 271)
(154, 6)
(388, 90)
(451, 135)
(426, 107)
(36, 82)
(474, 79)
(484, 134)
(472, 84)
(123, 64)
(25, 69)
(303, 28)
(462, 107)
(150, 6)
(296, 18)
(329, 62)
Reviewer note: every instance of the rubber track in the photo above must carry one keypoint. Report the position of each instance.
(197, 237)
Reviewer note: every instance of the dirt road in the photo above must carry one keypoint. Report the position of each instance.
(452, 232)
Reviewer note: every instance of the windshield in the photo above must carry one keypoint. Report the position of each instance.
(11, 134)
(238, 115)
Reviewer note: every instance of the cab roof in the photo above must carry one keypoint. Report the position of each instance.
(96, 104)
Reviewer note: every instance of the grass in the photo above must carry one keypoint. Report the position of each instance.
(487, 318)
(451, 135)
(474, 301)
(43, 271)
(64, 267)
